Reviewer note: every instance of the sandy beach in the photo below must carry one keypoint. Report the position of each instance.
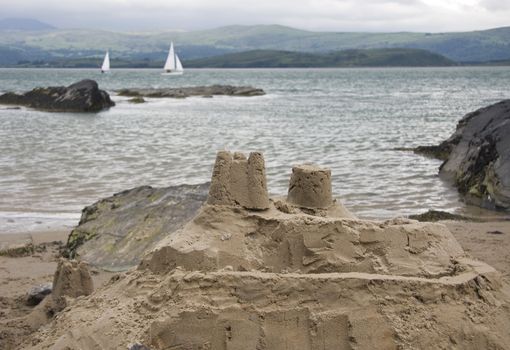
(485, 241)
(22, 271)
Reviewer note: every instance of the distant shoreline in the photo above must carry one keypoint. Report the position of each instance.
(506, 64)
(350, 58)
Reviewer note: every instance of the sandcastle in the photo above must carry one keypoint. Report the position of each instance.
(299, 272)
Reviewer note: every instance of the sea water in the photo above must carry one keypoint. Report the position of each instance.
(349, 120)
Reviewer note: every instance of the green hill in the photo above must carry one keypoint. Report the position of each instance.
(22, 45)
(23, 24)
(346, 58)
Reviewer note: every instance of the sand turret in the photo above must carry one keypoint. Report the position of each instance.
(72, 279)
(310, 187)
(239, 181)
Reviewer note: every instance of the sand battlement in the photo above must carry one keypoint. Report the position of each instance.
(237, 180)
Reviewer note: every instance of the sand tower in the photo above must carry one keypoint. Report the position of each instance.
(239, 181)
(310, 187)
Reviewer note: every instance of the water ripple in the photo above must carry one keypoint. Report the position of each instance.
(347, 119)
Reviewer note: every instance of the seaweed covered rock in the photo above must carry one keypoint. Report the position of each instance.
(83, 96)
(117, 231)
(477, 156)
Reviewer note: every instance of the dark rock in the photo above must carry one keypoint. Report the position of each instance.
(138, 346)
(437, 215)
(36, 294)
(496, 232)
(440, 151)
(114, 233)
(205, 91)
(477, 156)
(84, 96)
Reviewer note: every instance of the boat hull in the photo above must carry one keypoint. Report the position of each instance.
(172, 73)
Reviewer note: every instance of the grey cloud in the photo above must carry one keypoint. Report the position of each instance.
(327, 15)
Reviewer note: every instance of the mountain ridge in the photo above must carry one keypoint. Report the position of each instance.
(476, 46)
(25, 24)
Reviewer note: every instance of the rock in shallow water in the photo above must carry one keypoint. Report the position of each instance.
(205, 91)
(83, 96)
(477, 156)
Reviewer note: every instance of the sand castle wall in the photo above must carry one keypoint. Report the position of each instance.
(285, 238)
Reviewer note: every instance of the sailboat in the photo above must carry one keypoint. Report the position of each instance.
(105, 68)
(173, 65)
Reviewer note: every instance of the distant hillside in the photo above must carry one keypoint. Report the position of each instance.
(346, 58)
(59, 45)
(27, 24)
(274, 59)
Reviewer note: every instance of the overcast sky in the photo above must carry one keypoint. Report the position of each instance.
(318, 15)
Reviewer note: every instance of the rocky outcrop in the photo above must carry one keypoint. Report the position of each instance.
(477, 156)
(438, 215)
(83, 96)
(116, 232)
(206, 91)
(241, 278)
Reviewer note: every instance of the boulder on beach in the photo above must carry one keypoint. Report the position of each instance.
(83, 96)
(37, 293)
(183, 92)
(295, 272)
(116, 232)
(477, 156)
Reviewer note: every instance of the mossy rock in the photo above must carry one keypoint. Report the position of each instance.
(137, 99)
(477, 156)
(20, 251)
(437, 215)
(116, 232)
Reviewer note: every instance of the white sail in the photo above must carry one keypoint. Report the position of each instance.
(170, 60)
(106, 63)
(178, 64)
